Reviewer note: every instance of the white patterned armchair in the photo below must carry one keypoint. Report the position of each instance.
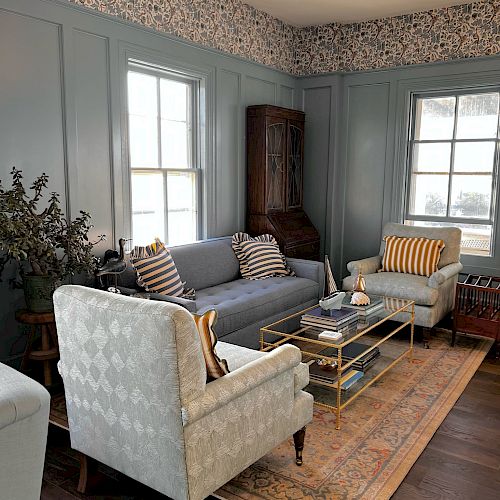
(137, 398)
(434, 296)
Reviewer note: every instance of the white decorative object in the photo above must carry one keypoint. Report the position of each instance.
(360, 299)
(329, 335)
(333, 301)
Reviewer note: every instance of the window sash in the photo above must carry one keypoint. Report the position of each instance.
(451, 173)
(193, 138)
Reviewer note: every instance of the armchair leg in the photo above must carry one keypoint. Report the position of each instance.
(298, 440)
(426, 337)
(88, 468)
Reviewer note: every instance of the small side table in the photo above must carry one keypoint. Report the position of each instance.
(477, 307)
(49, 349)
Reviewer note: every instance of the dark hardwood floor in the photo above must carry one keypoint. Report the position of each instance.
(461, 462)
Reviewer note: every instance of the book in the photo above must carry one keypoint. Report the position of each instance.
(350, 378)
(319, 324)
(336, 318)
(329, 375)
(376, 303)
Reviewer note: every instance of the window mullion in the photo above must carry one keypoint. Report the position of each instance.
(452, 158)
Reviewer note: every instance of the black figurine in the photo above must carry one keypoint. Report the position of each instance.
(114, 263)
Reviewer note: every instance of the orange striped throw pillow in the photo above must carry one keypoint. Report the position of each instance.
(411, 255)
(216, 367)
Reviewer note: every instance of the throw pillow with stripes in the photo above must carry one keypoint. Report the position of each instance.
(411, 255)
(259, 257)
(216, 367)
(156, 270)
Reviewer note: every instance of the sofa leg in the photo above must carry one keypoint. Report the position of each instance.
(88, 467)
(298, 440)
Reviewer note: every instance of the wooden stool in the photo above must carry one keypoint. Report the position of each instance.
(50, 347)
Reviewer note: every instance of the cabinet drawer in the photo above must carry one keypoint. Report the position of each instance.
(308, 251)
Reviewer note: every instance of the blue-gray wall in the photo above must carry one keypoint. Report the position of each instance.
(356, 146)
(61, 112)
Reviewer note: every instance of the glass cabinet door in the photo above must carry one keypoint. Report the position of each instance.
(295, 162)
(275, 167)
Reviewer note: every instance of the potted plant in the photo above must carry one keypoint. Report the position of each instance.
(47, 247)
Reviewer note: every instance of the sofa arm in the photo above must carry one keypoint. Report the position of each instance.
(188, 304)
(365, 266)
(309, 269)
(222, 391)
(20, 396)
(445, 273)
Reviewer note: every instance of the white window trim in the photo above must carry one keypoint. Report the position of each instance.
(491, 220)
(198, 146)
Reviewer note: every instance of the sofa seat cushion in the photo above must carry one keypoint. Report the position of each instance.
(237, 356)
(399, 286)
(243, 302)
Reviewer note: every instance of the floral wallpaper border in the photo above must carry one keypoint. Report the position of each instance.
(228, 25)
(459, 32)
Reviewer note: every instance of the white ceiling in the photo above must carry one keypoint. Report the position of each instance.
(310, 12)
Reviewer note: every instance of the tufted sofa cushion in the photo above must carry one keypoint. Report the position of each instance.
(243, 302)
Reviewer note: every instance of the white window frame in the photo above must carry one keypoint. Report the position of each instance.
(414, 96)
(195, 140)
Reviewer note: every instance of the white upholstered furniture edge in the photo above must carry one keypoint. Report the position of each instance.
(434, 296)
(138, 401)
(24, 421)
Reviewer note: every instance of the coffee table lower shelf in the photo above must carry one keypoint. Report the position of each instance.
(364, 384)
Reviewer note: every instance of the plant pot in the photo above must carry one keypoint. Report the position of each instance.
(38, 291)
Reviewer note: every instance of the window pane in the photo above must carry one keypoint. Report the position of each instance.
(477, 116)
(182, 208)
(174, 144)
(429, 194)
(476, 238)
(434, 118)
(148, 207)
(174, 100)
(142, 94)
(143, 139)
(471, 196)
(474, 156)
(432, 157)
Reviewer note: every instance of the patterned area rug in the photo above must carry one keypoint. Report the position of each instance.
(383, 431)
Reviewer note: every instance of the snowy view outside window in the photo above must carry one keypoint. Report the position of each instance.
(162, 156)
(453, 155)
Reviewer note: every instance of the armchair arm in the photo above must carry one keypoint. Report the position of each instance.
(445, 273)
(309, 269)
(222, 391)
(365, 266)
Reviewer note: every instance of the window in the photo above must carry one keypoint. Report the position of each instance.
(164, 166)
(453, 162)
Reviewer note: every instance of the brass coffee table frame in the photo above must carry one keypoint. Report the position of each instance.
(296, 335)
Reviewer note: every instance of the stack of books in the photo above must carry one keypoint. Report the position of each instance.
(353, 350)
(336, 320)
(329, 376)
(376, 304)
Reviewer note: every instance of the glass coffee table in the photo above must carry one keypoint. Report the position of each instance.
(364, 347)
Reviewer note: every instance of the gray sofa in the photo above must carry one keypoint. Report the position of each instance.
(243, 306)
